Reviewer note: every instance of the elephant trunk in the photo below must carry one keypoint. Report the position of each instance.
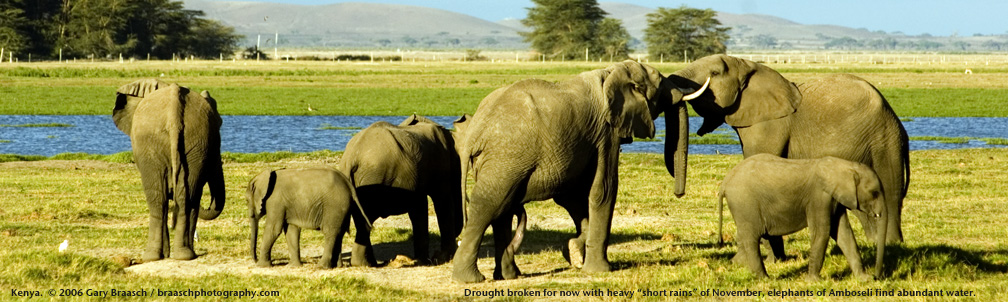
(880, 242)
(676, 145)
(217, 195)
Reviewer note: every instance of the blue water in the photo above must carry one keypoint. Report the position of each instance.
(247, 134)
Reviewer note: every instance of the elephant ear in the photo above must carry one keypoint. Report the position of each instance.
(847, 184)
(461, 123)
(765, 95)
(626, 92)
(415, 119)
(128, 97)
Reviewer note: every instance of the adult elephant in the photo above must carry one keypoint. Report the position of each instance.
(175, 135)
(837, 115)
(535, 140)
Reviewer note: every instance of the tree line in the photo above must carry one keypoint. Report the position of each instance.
(157, 29)
(578, 29)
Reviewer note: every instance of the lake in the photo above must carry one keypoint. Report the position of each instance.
(251, 134)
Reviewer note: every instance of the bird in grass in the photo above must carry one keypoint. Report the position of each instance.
(63, 246)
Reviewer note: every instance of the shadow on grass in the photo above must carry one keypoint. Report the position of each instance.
(903, 262)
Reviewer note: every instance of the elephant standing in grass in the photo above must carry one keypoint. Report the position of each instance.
(295, 199)
(394, 169)
(837, 115)
(535, 140)
(175, 135)
(771, 196)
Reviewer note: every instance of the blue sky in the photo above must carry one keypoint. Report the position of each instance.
(940, 18)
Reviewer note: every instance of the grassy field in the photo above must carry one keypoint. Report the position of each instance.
(953, 216)
(952, 223)
(432, 88)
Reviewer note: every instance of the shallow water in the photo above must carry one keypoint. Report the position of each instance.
(247, 134)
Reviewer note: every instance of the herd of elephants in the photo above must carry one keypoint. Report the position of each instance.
(812, 151)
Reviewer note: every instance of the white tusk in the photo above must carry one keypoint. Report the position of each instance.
(697, 93)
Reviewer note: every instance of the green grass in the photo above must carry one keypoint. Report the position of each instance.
(942, 139)
(431, 89)
(47, 125)
(951, 222)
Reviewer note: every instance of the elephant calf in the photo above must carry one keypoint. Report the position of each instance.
(770, 196)
(292, 199)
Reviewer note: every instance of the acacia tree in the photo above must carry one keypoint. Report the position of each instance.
(614, 39)
(12, 20)
(695, 32)
(564, 28)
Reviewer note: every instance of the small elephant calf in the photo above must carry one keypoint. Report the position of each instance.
(292, 199)
(770, 196)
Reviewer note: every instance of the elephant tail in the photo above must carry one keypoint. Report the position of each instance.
(464, 159)
(176, 141)
(353, 195)
(720, 213)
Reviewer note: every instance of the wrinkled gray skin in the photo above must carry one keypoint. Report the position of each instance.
(394, 169)
(535, 140)
(770, 196)
(837, 115)
(295, 199)
(175, 135)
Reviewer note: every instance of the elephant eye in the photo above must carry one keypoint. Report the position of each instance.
(716, 72)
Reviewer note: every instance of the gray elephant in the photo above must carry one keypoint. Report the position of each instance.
(837, 115)
(535, 140)
(295, 199)
(770, 196)
(394, 169)
(175, 135)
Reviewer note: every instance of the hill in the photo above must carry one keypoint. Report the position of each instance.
(370, 25)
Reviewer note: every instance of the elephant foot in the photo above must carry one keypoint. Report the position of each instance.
(151, 256)
(264, 263)
(325, 264)
(508, 272)
(738, 258)
(183, 253)
(442, 257)
(596, 266)
(467, 275)
(294, 263)
(576, 252)
(360, 256)
(810, 277)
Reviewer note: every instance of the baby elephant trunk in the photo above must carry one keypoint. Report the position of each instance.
(880, 242)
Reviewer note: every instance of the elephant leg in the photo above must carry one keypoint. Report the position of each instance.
(776, 244)
(575, 206)
(362, 254)
(505, 267)
(465, 269)
(820, 233)
(421, 235)
(748, 254)
(271, 230)
(844, 237)
(182, 243)
(766, 137)
(601, 200)
(158, 245)
(449, 224)
(294, 244)
(332, 243)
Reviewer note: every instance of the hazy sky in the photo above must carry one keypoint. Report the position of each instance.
(936, 17)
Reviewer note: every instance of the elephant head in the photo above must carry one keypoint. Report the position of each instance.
(638, 94)
(742, 92)
(859, 189)
(259, 190)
